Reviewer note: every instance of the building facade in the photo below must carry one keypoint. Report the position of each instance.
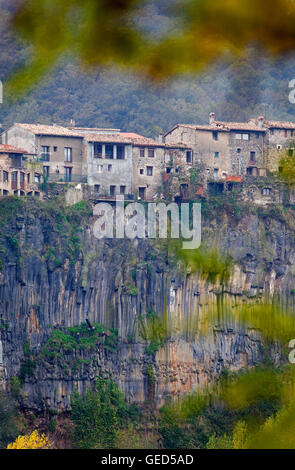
(223, 149)
(60, 149)
(18, 176)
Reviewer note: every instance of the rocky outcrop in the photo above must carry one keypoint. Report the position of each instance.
(56, 275)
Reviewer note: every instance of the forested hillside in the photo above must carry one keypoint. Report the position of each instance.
(235, 91)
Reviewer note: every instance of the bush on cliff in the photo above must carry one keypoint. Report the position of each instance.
(99, 415)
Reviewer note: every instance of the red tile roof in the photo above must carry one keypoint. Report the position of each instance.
(4, 148)
(275, 124)
(234, 179)
(222, 126)
(123, 138)
(43, 129)
(279, 124)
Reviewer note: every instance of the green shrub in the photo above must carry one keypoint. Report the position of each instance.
(98, 416)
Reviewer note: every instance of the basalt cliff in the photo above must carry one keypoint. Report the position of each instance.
(72, 305)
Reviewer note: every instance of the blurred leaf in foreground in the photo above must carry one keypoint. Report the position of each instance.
(100, 32)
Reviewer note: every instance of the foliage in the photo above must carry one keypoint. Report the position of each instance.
(208, 263)
(8, 423)
(28, 363)
(79, 26)
(154, 330)
(79, 337)
(99, 415)
(30, 441)
(287, 168)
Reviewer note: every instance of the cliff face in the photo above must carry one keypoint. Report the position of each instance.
(55, 275)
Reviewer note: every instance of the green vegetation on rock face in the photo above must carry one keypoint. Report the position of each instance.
(99, 415)
(80, 337)
(8, 424)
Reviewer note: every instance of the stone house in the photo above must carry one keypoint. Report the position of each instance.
(60, 149)
(17, 175)
(111, 162)
(223, 148)
(130, 164)
(279, 136)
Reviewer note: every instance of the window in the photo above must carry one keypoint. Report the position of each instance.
(120, 152)
(141, 152)
(37, 178)
(68, 173)
(216, 154)
(112, 190)
(215, 135)
(122, 189)
(151, 153)
(55, 149)
(266, 191)
(257, 135)
(28, 178)
(216, 170)
(22, 180)
(96, 188)
(141, 171)
(242, 136)
(238, 150)
(149, 171)
(291, 132)
(100, 168)
(68, 154)
(5, 176)
(188, 156)
(46, 171)
(45, 155)
(252, 156)
(109, 167)
(271, 131)
(285, 133)
(97, 150)
(109, 151)
(168, 170)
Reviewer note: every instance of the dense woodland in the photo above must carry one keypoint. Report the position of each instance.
(234, 90)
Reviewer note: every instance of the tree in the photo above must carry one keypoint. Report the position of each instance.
(30, 441)
(100, 32)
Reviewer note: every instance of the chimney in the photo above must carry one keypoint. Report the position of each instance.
(160, 138)
(260, 121)
(211, 118)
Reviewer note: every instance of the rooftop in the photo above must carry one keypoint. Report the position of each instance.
(222, 126)
(11, 149)
(123, 138)
(44, 129)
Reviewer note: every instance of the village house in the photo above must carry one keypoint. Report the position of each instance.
(111, 162)
(125, 163)
(279, 136)
(60, 149)
(17, 175)
(225, 150)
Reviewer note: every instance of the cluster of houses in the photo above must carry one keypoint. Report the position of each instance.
(111, 162)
